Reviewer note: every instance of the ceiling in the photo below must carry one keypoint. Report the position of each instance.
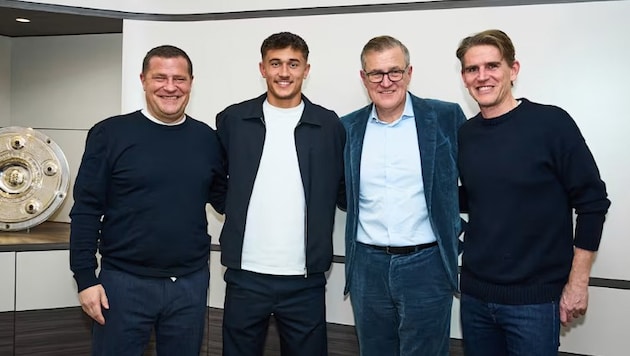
(45, 23)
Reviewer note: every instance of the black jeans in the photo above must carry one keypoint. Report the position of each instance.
(297, 303)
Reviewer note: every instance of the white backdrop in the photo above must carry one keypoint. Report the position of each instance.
(572, 55)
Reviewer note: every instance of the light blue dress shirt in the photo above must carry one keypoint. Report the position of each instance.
(392, 206)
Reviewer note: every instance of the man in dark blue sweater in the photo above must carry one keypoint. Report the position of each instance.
(524, 168)
(140, 198)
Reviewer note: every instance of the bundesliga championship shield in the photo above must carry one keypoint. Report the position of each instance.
(34, 178)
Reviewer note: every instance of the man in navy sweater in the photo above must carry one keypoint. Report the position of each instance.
(524, 168)
(140, 198)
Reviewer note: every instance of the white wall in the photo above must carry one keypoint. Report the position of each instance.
(44, 281)
(65, 82)
(564, 62)
(567, 59)
(5, 81)
(604, 329)
(572, 55)
(62, 85)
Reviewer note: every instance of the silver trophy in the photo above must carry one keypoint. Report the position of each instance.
(34, 178)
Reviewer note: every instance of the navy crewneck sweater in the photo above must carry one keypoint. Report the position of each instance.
(150, 183)
(523, 174)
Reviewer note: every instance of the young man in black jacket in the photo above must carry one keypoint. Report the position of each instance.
(285, 168)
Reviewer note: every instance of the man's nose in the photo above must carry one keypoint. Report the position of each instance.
(386, 81)
(284, 70)
(483, 74)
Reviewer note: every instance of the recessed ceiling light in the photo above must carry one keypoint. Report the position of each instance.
(23, 20)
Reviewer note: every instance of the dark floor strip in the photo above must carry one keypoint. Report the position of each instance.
(66, 331)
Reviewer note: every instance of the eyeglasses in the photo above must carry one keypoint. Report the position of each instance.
(393, 75)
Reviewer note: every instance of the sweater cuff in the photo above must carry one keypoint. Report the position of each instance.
(85, 279)
(588, 231)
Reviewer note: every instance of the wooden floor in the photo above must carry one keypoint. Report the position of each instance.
(64, 332)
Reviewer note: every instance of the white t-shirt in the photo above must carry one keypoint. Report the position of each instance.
(274, 241)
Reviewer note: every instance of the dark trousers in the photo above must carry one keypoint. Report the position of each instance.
(401, 303)
(176, 309)
(297, 303)
(491, 329)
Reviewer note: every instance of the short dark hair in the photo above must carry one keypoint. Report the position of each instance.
(283, 40)
(166, 51)
(382, 43)
(496, 38)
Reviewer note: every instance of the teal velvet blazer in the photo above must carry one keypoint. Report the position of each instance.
(437, 123)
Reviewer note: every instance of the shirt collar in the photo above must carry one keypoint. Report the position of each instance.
(407, 113)
(148, 115)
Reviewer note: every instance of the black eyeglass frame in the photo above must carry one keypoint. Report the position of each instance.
(377, 77)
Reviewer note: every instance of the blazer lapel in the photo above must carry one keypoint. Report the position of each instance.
(356, 134)
(426, 121)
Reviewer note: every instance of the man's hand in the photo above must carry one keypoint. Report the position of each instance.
(573, 302)
(574, 299)
(92, 299)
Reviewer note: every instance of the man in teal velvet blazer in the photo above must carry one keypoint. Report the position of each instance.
(402, 210)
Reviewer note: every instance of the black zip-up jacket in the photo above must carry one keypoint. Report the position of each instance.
(319, 141)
